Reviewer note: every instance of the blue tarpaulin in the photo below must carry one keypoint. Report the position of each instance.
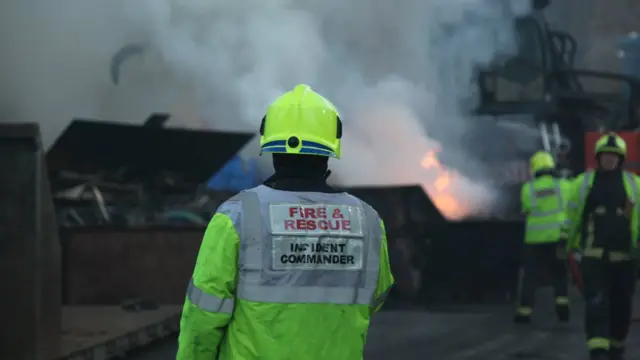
(236, 175)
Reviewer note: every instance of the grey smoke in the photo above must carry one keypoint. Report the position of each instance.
(400, 72)
(54, 65)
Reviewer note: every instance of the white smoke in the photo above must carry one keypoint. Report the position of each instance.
(400, 72)
(397, 70)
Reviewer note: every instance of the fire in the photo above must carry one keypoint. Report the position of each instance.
(440, 187)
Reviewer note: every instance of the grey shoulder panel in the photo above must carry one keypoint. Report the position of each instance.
(233, 209)
(373, 220)
(368, 209)
(244, 203)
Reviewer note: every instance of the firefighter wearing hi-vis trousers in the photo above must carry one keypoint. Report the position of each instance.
(602, 225)
(544, 202)
(292, 269)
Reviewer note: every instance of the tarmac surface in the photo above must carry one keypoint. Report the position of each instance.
(465, 333)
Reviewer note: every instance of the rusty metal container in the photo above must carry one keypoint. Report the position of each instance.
(105, 266)
(436, 261)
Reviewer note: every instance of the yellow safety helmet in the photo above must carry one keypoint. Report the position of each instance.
(301, 121)
(611, 143)
(542, 160)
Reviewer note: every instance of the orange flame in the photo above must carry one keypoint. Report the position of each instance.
(440, 188)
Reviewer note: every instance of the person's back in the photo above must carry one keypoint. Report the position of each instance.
(308, 296)
(546, 199)
(291, 269)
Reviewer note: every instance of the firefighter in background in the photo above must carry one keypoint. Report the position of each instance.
(544, 201)
(602, 221)
(290, 256)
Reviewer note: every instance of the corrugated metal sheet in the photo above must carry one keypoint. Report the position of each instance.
(90, 145)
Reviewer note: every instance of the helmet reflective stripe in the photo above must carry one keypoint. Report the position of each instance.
(256, 281)
(308, 147)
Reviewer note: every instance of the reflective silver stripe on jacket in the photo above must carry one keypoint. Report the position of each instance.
(258, 281)
(208, 302)
(584, 187)
(582, 194)
(634, 187)
(532, 197)
(548, 226)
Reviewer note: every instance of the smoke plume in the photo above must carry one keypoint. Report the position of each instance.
(53, 61)
(401, 72)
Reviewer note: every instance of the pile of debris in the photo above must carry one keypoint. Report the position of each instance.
(106, 173)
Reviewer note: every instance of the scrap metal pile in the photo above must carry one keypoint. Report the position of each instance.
(105, 173)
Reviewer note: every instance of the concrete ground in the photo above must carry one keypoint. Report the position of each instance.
(464, 333)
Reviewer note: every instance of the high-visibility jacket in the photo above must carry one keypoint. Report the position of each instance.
(575, 209)
(286, 276)
(544, 200)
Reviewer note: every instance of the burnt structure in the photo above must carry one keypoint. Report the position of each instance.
(542, 83)
(106, 173)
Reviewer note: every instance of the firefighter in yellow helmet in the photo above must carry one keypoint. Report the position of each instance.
(602, 224)
(292, 269)
(544, 200)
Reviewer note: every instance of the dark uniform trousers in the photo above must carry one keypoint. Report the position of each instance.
(541, 259)
(608, 293)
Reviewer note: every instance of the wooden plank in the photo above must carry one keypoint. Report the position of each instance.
(105, 332)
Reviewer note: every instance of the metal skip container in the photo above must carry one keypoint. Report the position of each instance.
(29, 249)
